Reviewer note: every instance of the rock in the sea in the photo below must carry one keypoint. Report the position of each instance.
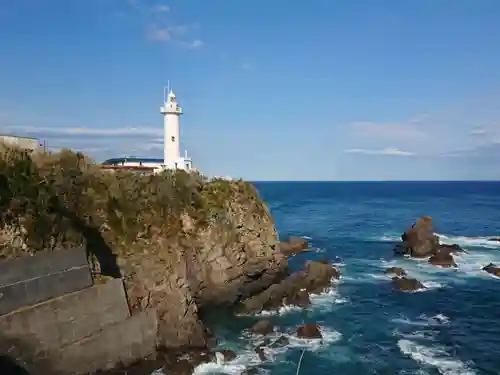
(493, 269)
(419, 241)
(495, 239)
(260, 352)
(406, 284)
(451, 249)
(262, 327)
(442, 259)
(282, 341)
(309, 331)
(228, 355)
(315, 278)
(293, 246)
(398, 271)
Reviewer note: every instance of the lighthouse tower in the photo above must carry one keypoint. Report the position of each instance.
(171, 148)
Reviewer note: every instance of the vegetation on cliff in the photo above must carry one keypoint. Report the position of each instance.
(55, 200)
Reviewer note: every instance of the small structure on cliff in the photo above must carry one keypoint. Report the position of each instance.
(172, 158)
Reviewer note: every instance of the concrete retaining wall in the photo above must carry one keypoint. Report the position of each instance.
(53, 321)
(29, 280)
(60, 321)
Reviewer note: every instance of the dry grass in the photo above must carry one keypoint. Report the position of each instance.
(55, 200)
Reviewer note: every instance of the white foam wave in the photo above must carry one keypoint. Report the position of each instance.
(236, 366)
(434, 356)
(469, 241)
(424, 320)
(451, 240)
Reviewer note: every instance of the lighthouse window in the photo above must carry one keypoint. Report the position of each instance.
(173, 139)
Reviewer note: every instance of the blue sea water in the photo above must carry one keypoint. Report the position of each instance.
(451, 328)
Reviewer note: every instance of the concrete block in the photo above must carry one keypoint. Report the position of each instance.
(68, 318)
(30, 280)
(41, 264)
(30, 292)
(125, 342)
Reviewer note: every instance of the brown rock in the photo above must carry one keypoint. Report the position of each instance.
(442, 259)
(282, 341)
(493, 269)
(396, 271)
(309, 331)
(405, 284)
(450, 249)
(314, 279)
(301, 299)
(228, 355)
(293, 246)
(260, 352)
(262, 327)
(419, 241)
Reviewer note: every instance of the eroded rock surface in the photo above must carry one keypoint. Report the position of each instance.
(398, 271)
(442, 259)
(293, 246)
(315, 278)
(493, 269)
(406, 284)
(309, 331)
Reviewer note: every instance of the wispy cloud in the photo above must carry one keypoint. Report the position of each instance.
(478, 132)
(194, 44)
(74, 131)
(157, 34)
(162, 8)
(161, 28)
(390, 151)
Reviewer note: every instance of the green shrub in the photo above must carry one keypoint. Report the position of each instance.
(56, 200)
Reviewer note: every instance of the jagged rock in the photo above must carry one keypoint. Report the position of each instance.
(450, 249)
(396, 271)
(493, 269)
(262, 327)
(309, 331)
(250, 371)
(282, 341)
(442, 259)
(497, 239)
(300, 299)
(314, 278)
(419, 241)
(260, 352)
(405, 284)
(293, 246)
(228, 355)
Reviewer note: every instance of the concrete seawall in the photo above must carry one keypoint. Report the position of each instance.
(54, 321)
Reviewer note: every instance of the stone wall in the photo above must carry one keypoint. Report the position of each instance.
(69, 329)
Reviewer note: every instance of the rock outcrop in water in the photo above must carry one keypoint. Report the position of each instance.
(182, 243)
(420, 241)
(492, 269)
(292, 290)
(293, 246)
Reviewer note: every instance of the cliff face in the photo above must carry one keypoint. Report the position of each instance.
(181, 243)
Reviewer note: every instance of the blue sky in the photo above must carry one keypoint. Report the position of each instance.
(272, 90)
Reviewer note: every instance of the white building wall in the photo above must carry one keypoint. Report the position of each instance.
(172, 149)
(22, 142)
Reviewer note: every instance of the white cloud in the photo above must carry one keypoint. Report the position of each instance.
(72, 131)
(478, 131)
(396, 131)
(162, 8)
(194, 44)
(157, 34)
(391, 151)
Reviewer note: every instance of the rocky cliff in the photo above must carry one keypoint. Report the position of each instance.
(182, 243)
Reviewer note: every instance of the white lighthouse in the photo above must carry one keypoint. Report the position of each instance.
(171, 148)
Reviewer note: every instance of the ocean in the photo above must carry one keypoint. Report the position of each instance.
(451, 328)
